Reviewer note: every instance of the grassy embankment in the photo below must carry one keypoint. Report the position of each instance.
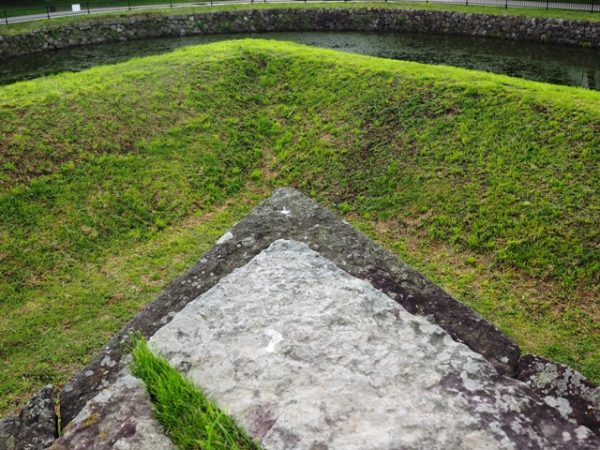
(17, 28)
(113, 181)
(188, 417)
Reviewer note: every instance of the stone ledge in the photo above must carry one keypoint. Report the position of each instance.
(304, 356)
(290, 215)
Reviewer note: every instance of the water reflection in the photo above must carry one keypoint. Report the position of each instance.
(534, 61)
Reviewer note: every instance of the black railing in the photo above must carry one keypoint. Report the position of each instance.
(62, 8)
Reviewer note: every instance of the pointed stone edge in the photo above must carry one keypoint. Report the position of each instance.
(288, 214)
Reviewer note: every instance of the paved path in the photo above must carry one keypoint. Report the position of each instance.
(506, 3)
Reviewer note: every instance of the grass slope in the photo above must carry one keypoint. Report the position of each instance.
(114, 180)
(18, 28)
(189, 418)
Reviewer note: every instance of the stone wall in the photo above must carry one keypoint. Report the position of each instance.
(143, 26)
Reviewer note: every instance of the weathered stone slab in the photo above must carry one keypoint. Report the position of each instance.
(306, 356)
(35, 427)
(562, 388)
(119, 417)
(290, 215)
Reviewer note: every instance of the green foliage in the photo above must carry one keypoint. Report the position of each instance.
(114, 180)
(189, 418)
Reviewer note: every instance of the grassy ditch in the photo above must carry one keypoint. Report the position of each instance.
(18, 28)
(114, 180)
(189, 418)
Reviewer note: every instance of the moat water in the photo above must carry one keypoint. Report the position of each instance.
(532, 61)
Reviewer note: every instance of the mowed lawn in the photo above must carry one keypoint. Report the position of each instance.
(115, 180)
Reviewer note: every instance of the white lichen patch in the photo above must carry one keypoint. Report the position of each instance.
(561, 404)
(275, 338)
(226, 237)
(582, 433)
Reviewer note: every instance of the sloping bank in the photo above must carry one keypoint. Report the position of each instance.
(143, 26)
(115, 180)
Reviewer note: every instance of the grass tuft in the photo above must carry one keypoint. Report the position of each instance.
(189, 418)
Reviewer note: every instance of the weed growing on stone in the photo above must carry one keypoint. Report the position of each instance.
(189, 418)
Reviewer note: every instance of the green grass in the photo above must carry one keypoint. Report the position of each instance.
(18, 28)
(189, 418)
(116, 179)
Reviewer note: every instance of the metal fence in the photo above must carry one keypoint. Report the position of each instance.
(62, 9)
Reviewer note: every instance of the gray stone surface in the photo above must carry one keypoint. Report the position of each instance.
(564, 389)
(306, 356)
(119, 417)
(34, 427)
(143, 26)
(290, 215)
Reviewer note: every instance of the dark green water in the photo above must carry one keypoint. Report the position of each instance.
(548, 63)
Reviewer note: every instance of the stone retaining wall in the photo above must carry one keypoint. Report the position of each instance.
(143, 26)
